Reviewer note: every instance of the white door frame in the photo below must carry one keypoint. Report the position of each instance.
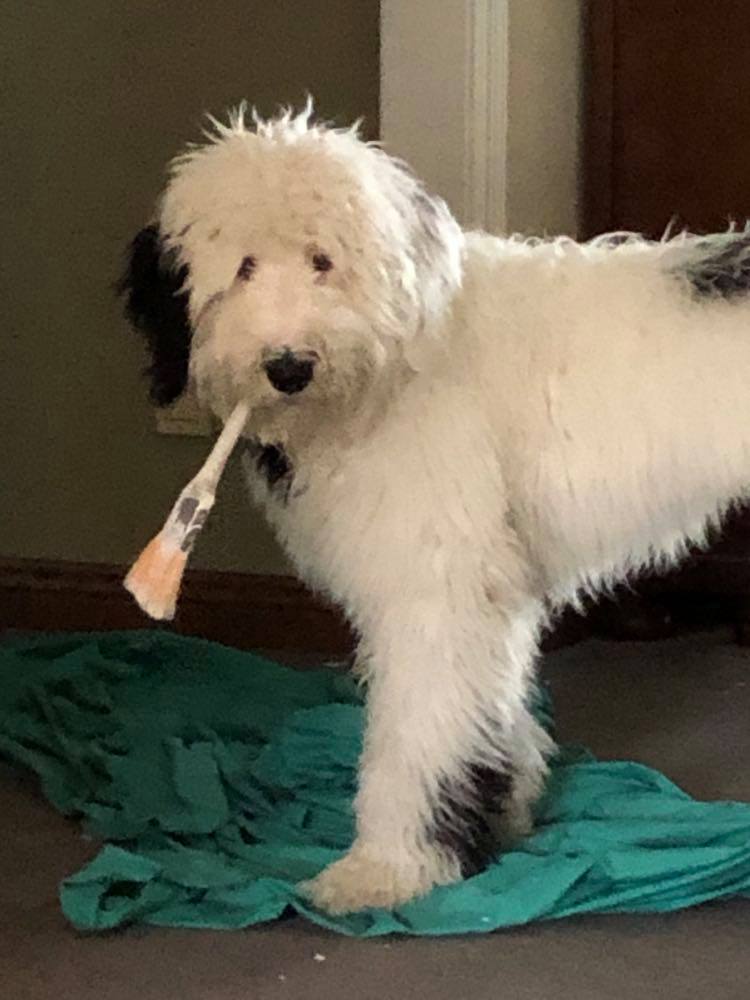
(444, 100)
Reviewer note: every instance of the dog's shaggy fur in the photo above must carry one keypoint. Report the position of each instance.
(453, 435)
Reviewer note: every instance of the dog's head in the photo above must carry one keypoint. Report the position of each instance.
(288, 259)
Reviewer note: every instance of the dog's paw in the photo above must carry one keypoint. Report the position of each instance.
(513, 824)
(361, 880)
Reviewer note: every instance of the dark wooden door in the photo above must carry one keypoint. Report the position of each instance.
(668, 124)
(667, 137)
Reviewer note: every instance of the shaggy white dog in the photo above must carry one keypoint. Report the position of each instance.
(453, 435)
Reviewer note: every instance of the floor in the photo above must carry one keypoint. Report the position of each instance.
(682, 705)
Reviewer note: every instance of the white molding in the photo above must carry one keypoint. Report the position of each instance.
(444, 94)
(486, 97)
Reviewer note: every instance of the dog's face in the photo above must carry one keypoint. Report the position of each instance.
(288, 261)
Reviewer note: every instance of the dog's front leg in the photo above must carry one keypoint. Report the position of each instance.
(445, 693)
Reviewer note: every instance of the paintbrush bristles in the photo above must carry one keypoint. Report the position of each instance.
(155, 577)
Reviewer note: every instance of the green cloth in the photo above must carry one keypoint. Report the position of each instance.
(217, 780)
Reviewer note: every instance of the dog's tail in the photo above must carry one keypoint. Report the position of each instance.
(717, 266)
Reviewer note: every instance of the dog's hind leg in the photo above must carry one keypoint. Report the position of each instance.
(447, 689)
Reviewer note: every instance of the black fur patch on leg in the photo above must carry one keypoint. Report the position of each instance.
(460, 821)
(725, 270)
(156, 303)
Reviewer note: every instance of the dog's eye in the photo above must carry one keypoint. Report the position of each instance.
(247, 268)
(321, 263)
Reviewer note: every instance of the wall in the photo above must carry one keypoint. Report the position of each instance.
(97, 97)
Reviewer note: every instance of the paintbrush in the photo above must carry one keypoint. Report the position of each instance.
(155, 577)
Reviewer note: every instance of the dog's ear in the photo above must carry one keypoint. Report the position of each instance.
(437, 251)
(156, 303)
(434, 251)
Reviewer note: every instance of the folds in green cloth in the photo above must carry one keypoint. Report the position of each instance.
(217, 780)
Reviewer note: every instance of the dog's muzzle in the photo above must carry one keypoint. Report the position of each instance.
(289, 372)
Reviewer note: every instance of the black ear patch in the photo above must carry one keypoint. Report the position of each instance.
(157, 306)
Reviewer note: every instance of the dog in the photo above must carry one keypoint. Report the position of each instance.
(454, 435)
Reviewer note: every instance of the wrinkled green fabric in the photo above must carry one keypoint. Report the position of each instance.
(217, 780)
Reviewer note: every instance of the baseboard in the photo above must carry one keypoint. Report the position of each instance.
(244, 610)
(252, 611)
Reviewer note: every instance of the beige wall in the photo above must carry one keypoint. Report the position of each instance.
(544, 97)
(96, 97)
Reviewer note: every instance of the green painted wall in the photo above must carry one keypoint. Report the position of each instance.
(97, 96)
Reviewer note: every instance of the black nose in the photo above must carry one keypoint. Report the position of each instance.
(289, 373)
